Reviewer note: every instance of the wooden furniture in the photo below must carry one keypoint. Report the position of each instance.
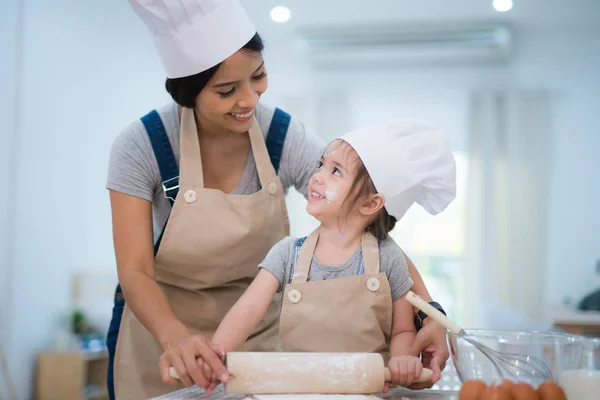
(71, 376)
(576, 322)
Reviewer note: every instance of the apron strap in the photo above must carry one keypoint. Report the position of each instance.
(305, 258)
(264, 167)
(370, 250)
(191, 160)
(369, 262)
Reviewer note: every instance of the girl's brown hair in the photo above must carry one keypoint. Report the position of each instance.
(362, 187)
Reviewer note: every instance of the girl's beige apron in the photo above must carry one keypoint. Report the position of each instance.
(350, 314)
(209, 253)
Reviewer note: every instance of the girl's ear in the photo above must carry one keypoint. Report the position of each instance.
(372, 204)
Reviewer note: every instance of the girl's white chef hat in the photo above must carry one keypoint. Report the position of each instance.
(409, 161)
(192, 36)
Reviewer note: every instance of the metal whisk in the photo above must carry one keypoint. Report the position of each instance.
(518, 366)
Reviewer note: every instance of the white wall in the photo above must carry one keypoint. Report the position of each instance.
(569, 63)
(87, 71)
(9, 19)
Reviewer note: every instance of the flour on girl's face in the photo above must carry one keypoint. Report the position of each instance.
(331, 195)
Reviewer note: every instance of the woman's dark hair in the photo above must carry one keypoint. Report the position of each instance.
(363, 186)
(184, 90)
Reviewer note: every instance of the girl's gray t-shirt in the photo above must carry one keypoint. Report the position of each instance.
(392, 262)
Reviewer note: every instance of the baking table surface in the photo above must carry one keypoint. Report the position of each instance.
(395, 394)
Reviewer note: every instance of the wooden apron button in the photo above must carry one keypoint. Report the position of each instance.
(272, 188)
(373, 284)
(189, 196)
(294, 296)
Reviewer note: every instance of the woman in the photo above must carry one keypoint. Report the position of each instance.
(197, 198)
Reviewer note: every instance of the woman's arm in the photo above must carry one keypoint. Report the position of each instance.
(418, 285)
(133, 242)
(247, 312)
(302, 151)
(134, 250)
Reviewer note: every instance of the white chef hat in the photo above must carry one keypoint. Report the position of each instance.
(192, 36)
(409, 161)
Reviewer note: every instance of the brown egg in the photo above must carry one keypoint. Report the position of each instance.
(495, 393)
(507, 384)
(551, 391)
(524, 391)
(470, 390)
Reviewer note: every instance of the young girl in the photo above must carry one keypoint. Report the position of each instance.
(344, 285)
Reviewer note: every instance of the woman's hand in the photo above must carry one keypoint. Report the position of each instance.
(430, 343)
(196, 361)
(208, 372)
(404, 370)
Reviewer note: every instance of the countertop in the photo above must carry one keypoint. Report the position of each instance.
(395, 394)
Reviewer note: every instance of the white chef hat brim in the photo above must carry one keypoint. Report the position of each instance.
(409, 161)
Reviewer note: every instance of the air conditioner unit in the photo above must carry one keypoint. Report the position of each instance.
(402, 45)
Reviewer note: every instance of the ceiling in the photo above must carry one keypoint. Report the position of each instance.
(552, 14)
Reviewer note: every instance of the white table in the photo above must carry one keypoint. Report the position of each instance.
(395, 394)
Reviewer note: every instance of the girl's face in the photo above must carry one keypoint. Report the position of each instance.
(332, 181)
(228, 101)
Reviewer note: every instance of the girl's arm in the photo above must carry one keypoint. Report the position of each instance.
(431, 340)
(403, 328)
(404, 367)
(247, 312)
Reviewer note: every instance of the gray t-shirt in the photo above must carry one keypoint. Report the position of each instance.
(280, 258)
(133, 170)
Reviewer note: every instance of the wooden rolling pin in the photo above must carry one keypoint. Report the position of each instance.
(307, 373)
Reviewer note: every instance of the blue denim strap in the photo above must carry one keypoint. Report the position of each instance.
(276, 136)
(167, 165)
(165, 158)
(111, 339)
(299, 243)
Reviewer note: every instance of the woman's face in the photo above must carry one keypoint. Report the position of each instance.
(228, 100)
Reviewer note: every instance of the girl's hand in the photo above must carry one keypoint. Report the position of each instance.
(404, 370)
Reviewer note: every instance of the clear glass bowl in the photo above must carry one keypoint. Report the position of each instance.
(580, 377)
(553, 349)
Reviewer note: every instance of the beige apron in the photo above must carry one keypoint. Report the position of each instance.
(208, 256)
(350, 314)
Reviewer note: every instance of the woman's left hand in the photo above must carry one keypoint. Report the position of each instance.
(430, 343)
